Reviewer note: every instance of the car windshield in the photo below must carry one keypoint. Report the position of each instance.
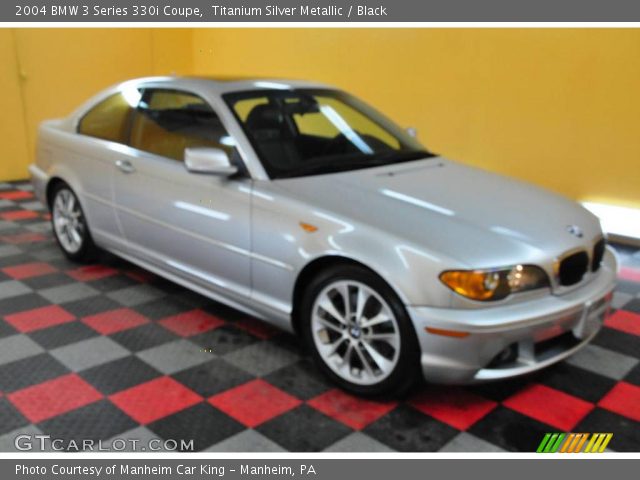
(302, 132)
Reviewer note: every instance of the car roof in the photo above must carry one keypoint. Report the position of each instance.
(221, 85)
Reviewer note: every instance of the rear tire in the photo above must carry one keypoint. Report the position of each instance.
(359, 332)
(69, 225)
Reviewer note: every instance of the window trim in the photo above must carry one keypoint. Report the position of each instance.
(127, 129)
(243, 170)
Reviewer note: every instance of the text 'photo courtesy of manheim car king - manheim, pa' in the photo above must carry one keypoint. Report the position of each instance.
(300, 204)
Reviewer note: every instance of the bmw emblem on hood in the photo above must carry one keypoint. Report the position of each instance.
(575, 230)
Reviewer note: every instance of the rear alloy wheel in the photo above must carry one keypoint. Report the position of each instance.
(69, 224)
(360, 334)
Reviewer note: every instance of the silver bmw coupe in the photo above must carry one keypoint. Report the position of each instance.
(301, 205)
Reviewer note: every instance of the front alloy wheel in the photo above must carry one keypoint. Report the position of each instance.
(355, 332)
(359, 332)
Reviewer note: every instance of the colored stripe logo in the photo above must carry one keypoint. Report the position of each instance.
(574, 442)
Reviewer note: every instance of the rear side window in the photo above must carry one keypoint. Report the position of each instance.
(167, 122)
(108, 120)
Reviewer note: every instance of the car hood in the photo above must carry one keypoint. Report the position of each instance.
(476, 217)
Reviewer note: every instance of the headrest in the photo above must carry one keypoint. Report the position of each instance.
(265, 117)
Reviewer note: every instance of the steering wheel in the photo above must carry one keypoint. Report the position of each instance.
(336, 145)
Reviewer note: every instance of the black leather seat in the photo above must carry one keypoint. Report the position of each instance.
(273, 136)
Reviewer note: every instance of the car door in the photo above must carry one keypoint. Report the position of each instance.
(102, 133)
(194, 225)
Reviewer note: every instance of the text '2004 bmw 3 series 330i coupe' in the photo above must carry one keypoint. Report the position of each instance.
(299, 204)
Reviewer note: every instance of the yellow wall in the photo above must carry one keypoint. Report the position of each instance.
(558, 107)
(58, 69)
(12, 124)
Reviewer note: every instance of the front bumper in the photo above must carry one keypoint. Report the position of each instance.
(516, 339)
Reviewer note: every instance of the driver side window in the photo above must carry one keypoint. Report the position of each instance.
(166, 122)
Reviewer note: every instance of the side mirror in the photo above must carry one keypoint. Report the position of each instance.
(412, 132)
(208, 160)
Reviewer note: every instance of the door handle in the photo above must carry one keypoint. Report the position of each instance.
(125, 166)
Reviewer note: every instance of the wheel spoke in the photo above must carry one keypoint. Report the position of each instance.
(71, 203)
(343, 290)
(361, 301)
(347, 355)
(77, 239)
(382, 363)
(59, 204)
(335, 346)
(390, 338)
(328, 324)
(365, 362)
(327, 305)
(379, 319)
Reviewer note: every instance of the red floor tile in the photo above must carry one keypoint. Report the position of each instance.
(18, 215)
(156, 399)
(115, 321)
(456, 407)
(29, 270)
(628, 322)
(550, 406)
(257, 328)
(354, 412)
(91, 272)
(254, 403)
(39, 318)
(631, 274)
(23, 238)
(15, 195)
(623, 399)
(53, 398)
(191, 323)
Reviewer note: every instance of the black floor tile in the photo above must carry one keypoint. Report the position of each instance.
(633, 305)
(162, 308)
(10, 417)
(510, 430)
(626, 432)
(97, 421)
(6, 330)
(619, 342)
(224, 339)
(143, 337)
(64, 334)
(91, 306)
(112, 282)
(30, 371)
(50, 280)
(576, 381)
(304, 429)
(202, 423)
(22, 303)
(634, 376)
(407, 430)
(212, 377)
(119, 375)
(301, 379)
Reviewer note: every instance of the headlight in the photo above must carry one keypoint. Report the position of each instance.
(494, 284)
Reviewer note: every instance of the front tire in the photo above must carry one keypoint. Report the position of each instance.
(69, 225)
(359, 333)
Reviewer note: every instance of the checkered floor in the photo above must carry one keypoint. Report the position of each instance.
(111, 351)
